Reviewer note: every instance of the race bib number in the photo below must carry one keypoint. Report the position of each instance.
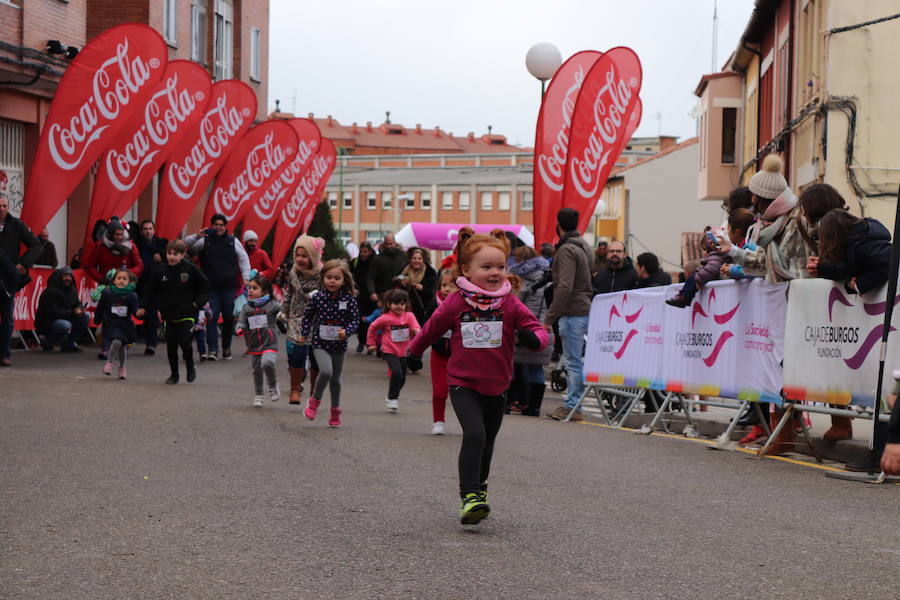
(258, 321)
(482, 331)
(342, 305)
(329, 332)
(120, 311)
(399, 334)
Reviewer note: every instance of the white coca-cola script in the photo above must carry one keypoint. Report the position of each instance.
(270, 199)
(114, 85)
(262, 161)
(609, 106)
(164, 114)
(551, 167)
(218, 129)
(290, 216)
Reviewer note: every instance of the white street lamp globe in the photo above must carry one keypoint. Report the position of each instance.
(542, 60)
(601, 207)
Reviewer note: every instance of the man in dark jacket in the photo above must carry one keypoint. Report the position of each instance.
(153, 254)
(649, 273)
(60, 317)
(180, 290)
(47, 256)
(225, 264)
(571, 305)
(13, 272)
(619, 273)
(390, 261)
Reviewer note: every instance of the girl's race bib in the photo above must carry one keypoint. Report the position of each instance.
(399, 333)
(258, 321)
(120, 311)
(342, 305)
(481, 330)
(329, 332)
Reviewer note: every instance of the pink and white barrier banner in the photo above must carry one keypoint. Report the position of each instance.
(832, 342)
(442, 236)
(728, 343)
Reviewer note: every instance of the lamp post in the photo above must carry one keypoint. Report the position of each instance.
(341, 152)
(542, 61)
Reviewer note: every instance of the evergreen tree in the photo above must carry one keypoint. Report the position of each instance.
(323, 226)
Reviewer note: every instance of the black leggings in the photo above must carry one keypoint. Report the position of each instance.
(179, 334)
(397, 365)
(480, 417)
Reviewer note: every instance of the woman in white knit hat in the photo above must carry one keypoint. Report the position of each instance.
(781, 253)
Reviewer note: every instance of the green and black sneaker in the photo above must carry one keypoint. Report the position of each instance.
(473, 509)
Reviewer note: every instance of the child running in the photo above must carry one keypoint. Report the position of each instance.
(440, 353)
(303, 282)
(397, 327)
(180, 290)
(330, 317)
(118, 304)
(485, 318)
(257, 323)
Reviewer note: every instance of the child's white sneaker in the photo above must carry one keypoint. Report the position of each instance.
(257, 401)
(274, 393)
(392, 405)
(437, 428)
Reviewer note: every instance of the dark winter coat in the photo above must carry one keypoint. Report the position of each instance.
(147, 249)
(114, 312)
(655, 280)
(385, 267)
(16, 234)
(325, 308)
(529, 272)
(57, 302)
(571, 278)
(616, 280)
(219, 261)
(260, 339)
(867, 257)
(420, 299)
(180, 291)
(442, 346)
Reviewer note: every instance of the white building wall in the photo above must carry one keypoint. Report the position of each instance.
(662, 203)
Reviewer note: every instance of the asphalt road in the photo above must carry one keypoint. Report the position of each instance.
(134, 489)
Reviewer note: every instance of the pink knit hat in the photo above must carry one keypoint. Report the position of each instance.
(313, 247)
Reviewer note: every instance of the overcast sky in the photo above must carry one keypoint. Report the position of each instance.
(461, 64)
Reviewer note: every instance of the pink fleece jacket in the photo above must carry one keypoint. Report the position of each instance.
(488, 371)
(388, 323)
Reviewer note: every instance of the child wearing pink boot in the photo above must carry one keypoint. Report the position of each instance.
(330, 317)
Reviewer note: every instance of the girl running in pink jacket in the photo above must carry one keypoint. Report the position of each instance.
(485, 318)
(397, 327)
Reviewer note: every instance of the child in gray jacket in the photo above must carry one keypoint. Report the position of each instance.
(257, 323)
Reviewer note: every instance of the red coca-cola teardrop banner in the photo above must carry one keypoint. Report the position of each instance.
(110, 79)
(551, 144)
(201, 153)
(261, 216)
(296, 213)
(153, 133)
(260, 156)
(599, 126)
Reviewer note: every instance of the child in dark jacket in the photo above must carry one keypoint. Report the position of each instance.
(118, 304)
(180, 290)
(440, 354)
(856, 251)
(257, 323)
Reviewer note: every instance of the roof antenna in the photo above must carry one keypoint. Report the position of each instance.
(715, 40)
(489, 129)
(387, 115)
(277, 108)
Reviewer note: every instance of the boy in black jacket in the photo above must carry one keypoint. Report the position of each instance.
(179, 289)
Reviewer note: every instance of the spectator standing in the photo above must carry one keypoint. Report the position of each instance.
(48, 250)
(419, 280)
(153, 253)
(619, 273)
(60, 317)
(390, 261)
(571, 305)
(13, 271)
(649, 273)
(360, 266)
(225, 264)
(259, 259)
(600, 257)
(112, 251)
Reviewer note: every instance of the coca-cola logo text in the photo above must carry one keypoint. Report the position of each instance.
(552, 166)
(164, 113)
(305, 189)
(218, 128)
(270, 199)
(262, 161)
(609, 116)
(115, 83)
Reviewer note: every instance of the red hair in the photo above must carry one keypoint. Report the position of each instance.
(468, 243)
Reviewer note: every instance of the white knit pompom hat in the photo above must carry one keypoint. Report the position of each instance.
(768, 182)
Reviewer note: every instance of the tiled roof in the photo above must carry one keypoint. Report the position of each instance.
(675, 148)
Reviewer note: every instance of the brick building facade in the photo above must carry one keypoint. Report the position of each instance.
(229, 38)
